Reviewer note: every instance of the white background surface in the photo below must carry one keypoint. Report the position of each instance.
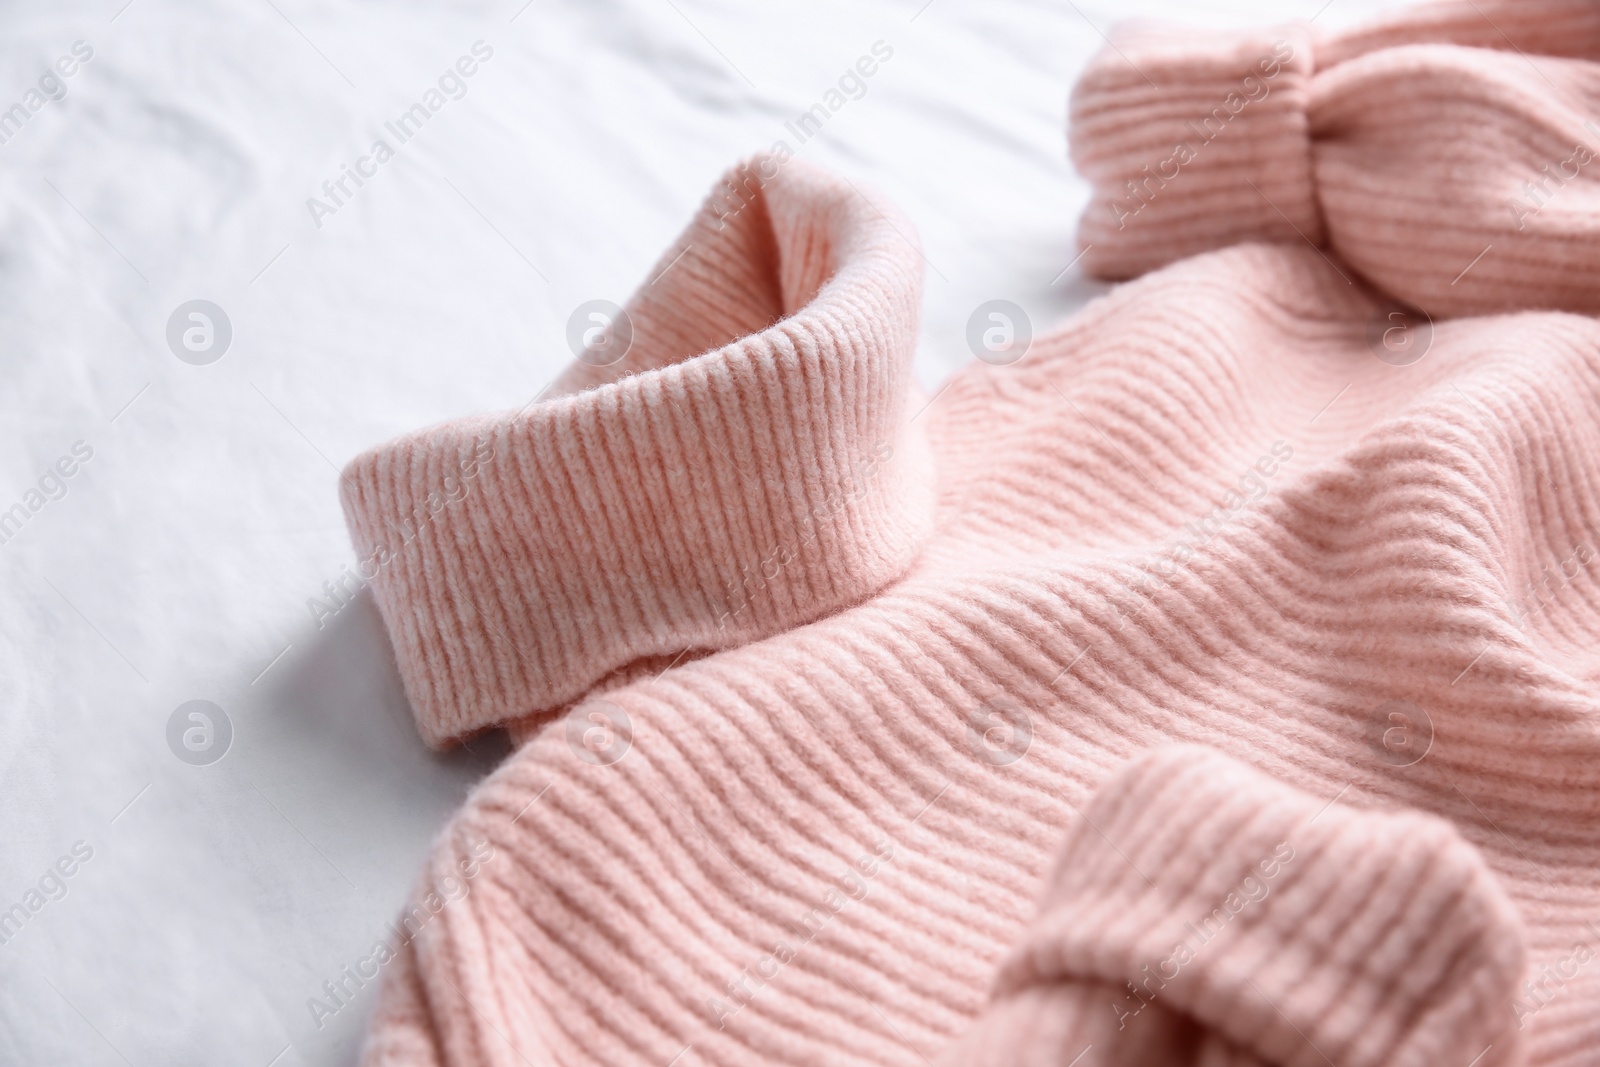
(179, 563)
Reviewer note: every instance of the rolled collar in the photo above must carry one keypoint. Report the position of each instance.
(1428, 154)
(744, 467)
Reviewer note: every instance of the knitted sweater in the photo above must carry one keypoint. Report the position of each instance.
(1213, 685)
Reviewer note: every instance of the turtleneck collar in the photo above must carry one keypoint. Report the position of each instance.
(744, 467)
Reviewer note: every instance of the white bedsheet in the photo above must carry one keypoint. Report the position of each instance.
(176, 562)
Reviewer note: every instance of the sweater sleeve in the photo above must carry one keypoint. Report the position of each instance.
(1446, 155)
(1202, 913)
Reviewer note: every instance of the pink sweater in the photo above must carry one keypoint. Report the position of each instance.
(1214, 685)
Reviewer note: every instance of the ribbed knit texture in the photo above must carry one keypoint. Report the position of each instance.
(707, 489)
(1202, 905)
(1451, 155)
(1211, 511)
(1172, 154)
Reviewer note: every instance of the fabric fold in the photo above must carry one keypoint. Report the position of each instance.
(728, 459)
(1192, 142)
(1214, 509)
(1450, 155)
(1252, 533)
(1205, 909)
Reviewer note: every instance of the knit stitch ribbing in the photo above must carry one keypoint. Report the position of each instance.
(709, 489)
(643, 903)
(1286, 928)
(1210, 510)
(1458, 179)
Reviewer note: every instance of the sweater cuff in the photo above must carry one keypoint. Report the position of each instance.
(743, 468)
(1200, 905)
(1193, 141)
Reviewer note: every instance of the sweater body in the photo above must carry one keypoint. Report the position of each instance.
(1214, 684)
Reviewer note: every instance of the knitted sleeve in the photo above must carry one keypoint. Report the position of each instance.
(1447, 155)
(1202, 913)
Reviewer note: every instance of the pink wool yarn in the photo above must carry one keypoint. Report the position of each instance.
(1451, 155)
(1214, 685)
(672, 500)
